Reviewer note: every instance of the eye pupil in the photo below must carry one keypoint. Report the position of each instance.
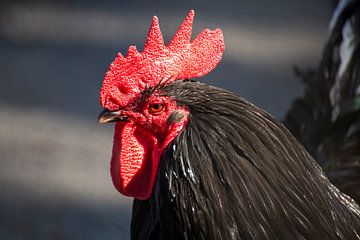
(156, 108)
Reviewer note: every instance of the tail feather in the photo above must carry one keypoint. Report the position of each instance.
(326, 119)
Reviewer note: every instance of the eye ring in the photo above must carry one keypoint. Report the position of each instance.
(156, 108)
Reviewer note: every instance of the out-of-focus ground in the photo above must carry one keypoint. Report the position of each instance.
(54, 162)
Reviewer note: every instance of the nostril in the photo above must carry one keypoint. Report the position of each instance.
(122, 118)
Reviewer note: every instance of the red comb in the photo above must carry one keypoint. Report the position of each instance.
(128, 76)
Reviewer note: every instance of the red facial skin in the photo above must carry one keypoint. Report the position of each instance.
(140, 142)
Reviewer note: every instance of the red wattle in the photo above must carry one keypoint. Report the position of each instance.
(133, 168)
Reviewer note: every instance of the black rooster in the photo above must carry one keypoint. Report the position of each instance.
(230, 170)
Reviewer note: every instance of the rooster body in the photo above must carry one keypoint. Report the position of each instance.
(202, 162)
(235, 172)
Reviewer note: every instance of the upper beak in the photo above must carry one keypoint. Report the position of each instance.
(107, 116)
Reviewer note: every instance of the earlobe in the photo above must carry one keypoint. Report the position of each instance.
(176, 117)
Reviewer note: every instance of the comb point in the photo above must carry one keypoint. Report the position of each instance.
(183, 35)
(132, 52)
(154, 39)
(119, 55)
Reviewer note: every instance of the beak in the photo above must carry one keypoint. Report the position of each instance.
(107, 116)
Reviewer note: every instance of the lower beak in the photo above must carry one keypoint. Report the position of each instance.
(107, 116)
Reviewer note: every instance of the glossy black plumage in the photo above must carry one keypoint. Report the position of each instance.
(237, 173)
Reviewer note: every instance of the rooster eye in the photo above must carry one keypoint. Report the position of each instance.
(156, 108)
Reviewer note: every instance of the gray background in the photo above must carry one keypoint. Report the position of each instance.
(54, 163)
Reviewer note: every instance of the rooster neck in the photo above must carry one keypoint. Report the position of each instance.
(236, 173)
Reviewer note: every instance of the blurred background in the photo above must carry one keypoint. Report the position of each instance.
(54, 157)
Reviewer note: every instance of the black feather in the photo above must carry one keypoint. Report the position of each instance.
(237, 173)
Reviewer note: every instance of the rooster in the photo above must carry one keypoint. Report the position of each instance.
(202, 162)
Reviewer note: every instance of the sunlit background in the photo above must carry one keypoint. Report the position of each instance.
(54, 157)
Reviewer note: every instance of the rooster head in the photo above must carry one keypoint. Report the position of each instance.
(147, 121)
